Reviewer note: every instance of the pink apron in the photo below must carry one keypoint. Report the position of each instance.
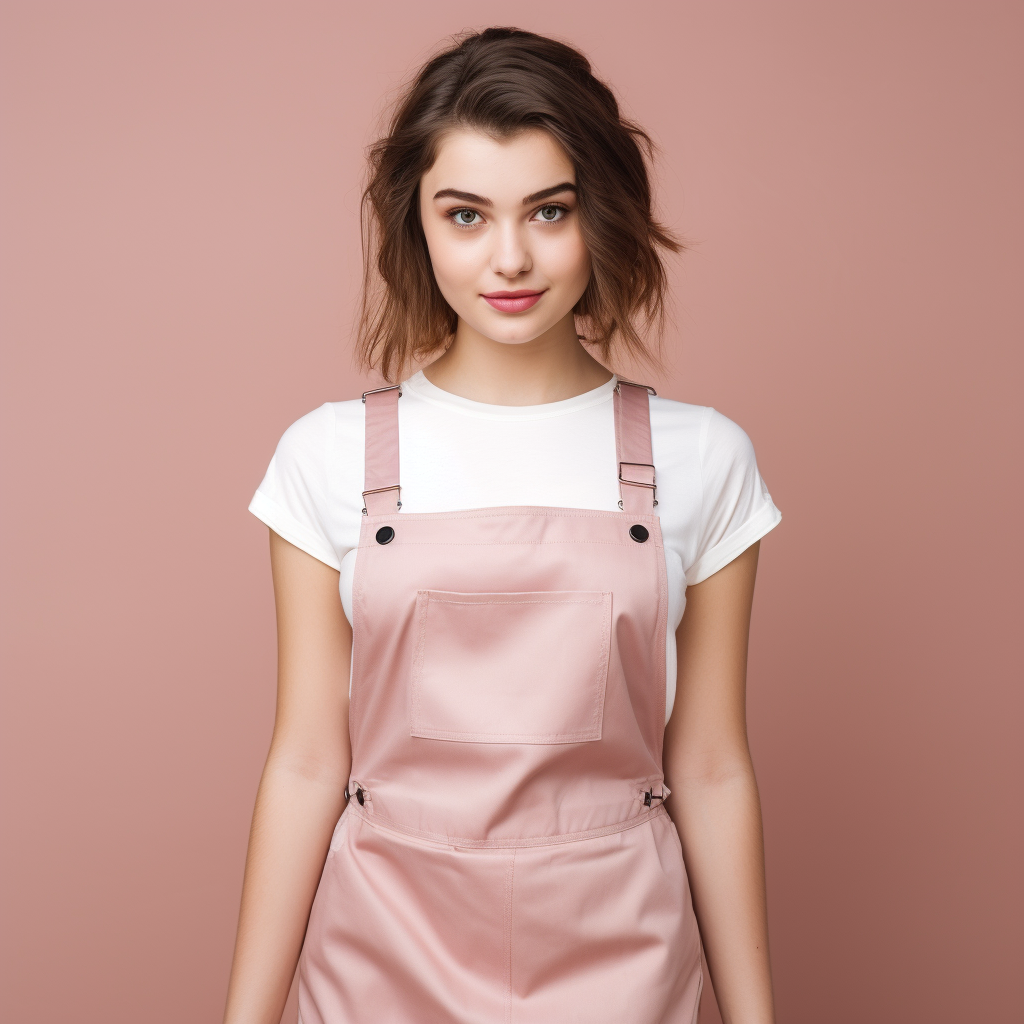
(505, 856)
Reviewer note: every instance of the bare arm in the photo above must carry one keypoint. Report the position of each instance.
(714, 800)
(301, 792)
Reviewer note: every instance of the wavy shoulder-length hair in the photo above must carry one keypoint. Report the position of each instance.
(503, 81)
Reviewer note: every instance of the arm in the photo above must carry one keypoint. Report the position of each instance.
(714, 800)
(301, 792)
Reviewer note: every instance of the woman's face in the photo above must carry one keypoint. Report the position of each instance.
(503, 232)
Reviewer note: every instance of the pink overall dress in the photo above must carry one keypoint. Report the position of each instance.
(505, 856)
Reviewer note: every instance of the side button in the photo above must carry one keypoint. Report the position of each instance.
(385, 535)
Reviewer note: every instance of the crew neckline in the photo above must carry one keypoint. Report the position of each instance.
(423, 388)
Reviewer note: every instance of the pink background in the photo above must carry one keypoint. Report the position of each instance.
(180, 267)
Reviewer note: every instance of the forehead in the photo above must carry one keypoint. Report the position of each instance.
(504, 170)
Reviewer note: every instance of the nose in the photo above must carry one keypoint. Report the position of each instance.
(510, 256)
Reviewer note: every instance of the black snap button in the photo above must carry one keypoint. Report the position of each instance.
(638, 533)
(385, 535)
(359, 792)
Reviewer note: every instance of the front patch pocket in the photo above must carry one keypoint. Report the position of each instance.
(510, 668)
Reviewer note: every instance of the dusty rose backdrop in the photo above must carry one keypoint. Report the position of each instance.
(180, 266)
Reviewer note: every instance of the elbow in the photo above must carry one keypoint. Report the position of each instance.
(322, 769)
(712, 770)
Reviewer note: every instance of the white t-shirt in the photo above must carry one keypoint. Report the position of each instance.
(459, 454)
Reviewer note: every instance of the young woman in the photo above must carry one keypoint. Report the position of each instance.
(494, 752)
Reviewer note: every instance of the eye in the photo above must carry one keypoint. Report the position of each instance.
(552, 212)
(464, 218)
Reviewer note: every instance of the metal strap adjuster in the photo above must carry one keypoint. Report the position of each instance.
(390, 487)
(639, 483)
(377, 391)
(650, 796)
(633, 384)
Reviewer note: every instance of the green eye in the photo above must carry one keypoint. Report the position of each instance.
(550, 212)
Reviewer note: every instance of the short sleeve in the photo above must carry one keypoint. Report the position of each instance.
(291, 500)
(736, 508)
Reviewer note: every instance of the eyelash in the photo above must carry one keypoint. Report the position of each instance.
(452, 214)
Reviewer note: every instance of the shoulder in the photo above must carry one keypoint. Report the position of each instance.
(309, 433)
(296, 478)
(679, 418)
(700, 431)
(724, 442)
(676, 428)
(713, 500)
(312, 442)
(321, 455)
(307, 493)
(736, 507)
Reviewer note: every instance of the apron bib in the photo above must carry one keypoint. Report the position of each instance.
(505, 856)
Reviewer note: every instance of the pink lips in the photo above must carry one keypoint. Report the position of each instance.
(512, 302)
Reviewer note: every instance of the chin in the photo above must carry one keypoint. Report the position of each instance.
(514, 333)
(514, 341)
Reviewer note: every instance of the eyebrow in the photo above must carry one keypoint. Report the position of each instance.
(536, 197)
(547, 193)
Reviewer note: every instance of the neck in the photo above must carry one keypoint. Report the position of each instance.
(550, 368)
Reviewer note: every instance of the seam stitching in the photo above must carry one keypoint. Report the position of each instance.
(386, 824)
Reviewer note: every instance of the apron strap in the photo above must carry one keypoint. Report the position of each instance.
(382, 489)
(633, 447)
(383, 492)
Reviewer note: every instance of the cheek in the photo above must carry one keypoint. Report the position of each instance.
(454, 262)
(567, 260)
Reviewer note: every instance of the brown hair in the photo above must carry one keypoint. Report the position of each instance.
(504, 81)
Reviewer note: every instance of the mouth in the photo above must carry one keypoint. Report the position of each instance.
(513, 302)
